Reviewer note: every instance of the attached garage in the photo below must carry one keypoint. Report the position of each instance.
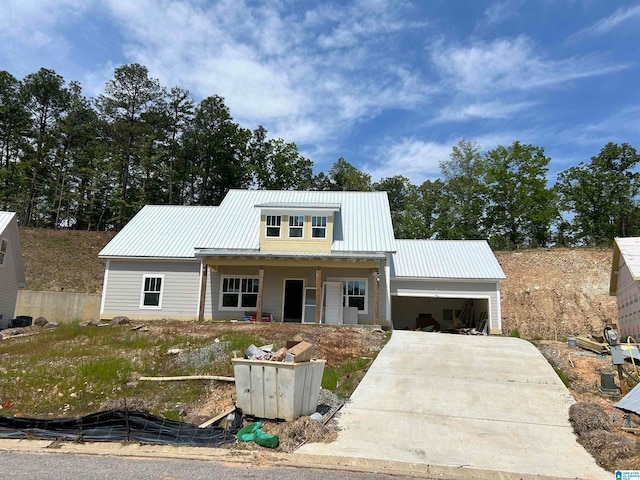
(446, 283)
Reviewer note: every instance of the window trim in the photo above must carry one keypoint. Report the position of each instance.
(267, 226)
(5, 253)
(322, 227)
(142, 291)
(300, 227)
(238, 308)
(344, 281)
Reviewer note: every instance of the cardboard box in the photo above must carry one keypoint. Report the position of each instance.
(299, 352)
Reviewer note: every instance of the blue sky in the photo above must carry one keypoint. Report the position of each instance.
(390, 85)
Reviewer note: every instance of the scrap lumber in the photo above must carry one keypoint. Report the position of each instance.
(217, 417)
(590, 344)
(631, 430)
(188, 377)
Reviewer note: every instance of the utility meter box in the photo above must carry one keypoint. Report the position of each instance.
(277, 390)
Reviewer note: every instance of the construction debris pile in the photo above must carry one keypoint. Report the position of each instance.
(294, 352)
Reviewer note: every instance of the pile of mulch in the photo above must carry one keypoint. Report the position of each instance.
(593, 427)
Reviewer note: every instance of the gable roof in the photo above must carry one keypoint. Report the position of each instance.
(629, 249)
(162, 231)
(445, 259)
(361, 224)
(9, 228)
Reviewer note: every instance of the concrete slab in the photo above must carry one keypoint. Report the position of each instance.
(484, 404)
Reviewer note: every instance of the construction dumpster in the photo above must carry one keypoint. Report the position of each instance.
(277, 390)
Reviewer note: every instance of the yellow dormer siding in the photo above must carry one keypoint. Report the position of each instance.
(280, 232)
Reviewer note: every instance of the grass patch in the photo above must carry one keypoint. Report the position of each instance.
(563, 377)
(342, 379)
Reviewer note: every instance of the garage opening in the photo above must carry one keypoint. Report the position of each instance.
(436, 313)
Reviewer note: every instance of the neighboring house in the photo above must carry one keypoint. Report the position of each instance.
(625, 285)
(292, 256)
(11, 267)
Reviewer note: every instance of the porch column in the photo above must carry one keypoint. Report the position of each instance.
(260, 290)
(318, 293)
(203, 290)
(376, 297)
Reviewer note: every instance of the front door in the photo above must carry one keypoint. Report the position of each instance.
(292, 310)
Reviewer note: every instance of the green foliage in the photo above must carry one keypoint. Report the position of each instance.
(344, 176)
(515, 333)
(603, 196)
(563, 377)
(463, 199)
(341, 379)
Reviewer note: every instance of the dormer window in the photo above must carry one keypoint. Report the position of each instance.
(296, 226)
(318, 227)
(273, 225)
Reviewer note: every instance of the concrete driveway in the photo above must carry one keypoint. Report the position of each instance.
(461, 407)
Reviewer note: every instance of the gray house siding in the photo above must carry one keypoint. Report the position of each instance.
(423, 288)
(9, 272)
(274, 288)
(124, 288)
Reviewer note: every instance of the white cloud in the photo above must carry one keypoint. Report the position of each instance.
(511, 65)
(607, 24)
(413, 158)
(501, 11)
(495, 109)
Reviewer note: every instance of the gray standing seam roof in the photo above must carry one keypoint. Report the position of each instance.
(162, 231)
(362, 224)
(631, 401)
(445, 259)
(5, 219)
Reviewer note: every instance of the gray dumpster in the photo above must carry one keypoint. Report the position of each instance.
(277, 390)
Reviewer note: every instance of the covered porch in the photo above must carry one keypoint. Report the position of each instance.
(297, 288)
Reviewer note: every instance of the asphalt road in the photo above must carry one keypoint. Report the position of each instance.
(37, 466)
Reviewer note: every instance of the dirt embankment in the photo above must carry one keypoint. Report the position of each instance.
(556, 293)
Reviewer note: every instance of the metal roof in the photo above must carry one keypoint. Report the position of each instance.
(631, 401)
(629, 249)
(445, 259)
(298, 205)
(163, 231)
(363, 223)
(5, 219)
(258, 254)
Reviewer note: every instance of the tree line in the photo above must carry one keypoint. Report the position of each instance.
(69, 161)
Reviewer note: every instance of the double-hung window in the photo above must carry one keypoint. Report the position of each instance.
(296, 226)
(318, 227)
(273, 225)
(239, 292)
(354, 293)
(152, 291)
(4, 246)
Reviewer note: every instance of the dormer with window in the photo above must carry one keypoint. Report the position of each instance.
(297, 227)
